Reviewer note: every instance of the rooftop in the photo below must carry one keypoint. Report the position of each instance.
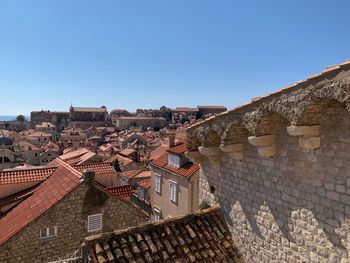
(186, 171)
(199, 237)
(59, 184)
(179, 148)
(25, 175)
(98, 168)
(145, 183)
(88, 109)
(77, 156)
(121, 190)
(137, 173)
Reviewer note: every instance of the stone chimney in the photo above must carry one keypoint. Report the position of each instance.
(89, 176)
(171, 140)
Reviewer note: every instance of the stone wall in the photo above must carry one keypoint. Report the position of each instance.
(280, 169)
(70, 216)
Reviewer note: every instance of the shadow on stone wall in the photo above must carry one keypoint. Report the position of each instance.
(305, 192)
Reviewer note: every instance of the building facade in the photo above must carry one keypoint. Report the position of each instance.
(85, 117)
(174, 184)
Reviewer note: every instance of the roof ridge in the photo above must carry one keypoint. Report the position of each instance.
(23, 214)
(28, 169)
(69, 167)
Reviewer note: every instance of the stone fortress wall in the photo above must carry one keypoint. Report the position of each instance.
(280, 169)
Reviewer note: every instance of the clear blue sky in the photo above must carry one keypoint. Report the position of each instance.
(145, 54)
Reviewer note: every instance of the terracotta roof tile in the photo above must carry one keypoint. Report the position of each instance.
(179, 148)
(145, 183)
(25, 175)
(199, 237)
(143, 173)
(131, 174)
(98, 168)
(61, 182)
(121, 190)
(159, 151)
(127, 152)
(137, 173)
(124, 161)
(186, 170)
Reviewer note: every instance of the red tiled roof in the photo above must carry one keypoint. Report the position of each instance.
(124, 161)
(187, 170)
(77, 156)
(137, 173)
(121, 191)
(127, 152)
(179, 148)
(145, 183)
(144, 173)
(25, 175)
(156, 153)
(25, 146)
(98, 168)
(58, 185)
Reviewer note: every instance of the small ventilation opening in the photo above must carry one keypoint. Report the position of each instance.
(212, 189)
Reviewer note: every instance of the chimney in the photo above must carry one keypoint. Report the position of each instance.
(171, 140)
(89, 175)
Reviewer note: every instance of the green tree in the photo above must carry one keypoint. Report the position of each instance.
(20, 118)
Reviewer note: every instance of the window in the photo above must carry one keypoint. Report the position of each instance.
(173, 190)
(158, 182)
(48, 232)
(174, 160)
(94, 223)
(156, 214)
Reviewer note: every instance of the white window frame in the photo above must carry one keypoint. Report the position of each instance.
(173, 191)
(174, 160)
(48, 232)
(158, 183)
(92, 219)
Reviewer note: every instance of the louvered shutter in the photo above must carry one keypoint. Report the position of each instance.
(94, 223)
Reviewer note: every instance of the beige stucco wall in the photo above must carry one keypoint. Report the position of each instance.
(186, 191)
(70, 216)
